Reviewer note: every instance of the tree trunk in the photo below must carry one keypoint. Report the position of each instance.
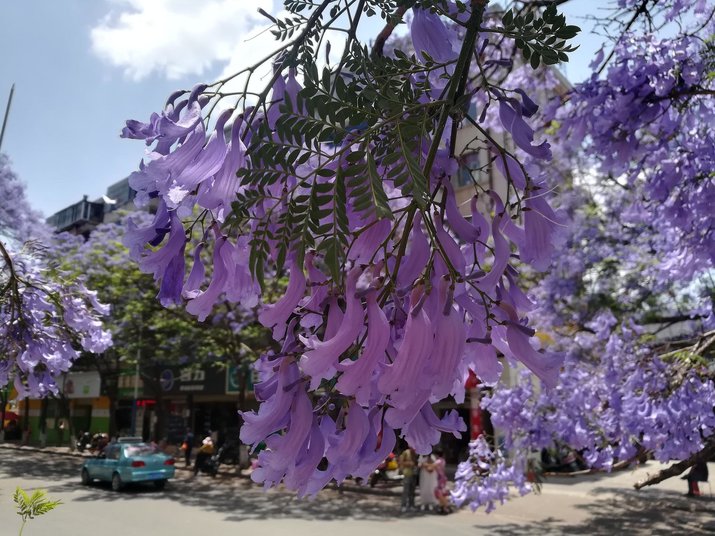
(65, 415)
(3, 403)
(152, 379)
(43, 422)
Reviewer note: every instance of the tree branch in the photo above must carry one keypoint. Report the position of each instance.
(677, 468)
(642, 8)
(386, 32)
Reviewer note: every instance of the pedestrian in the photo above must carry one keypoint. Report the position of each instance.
(441, 493)
(428, 482)
(407, 463)
(697, 473)
(187, 446)
(206, 450)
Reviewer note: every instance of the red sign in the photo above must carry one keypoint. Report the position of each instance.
(472, 381)
(476, 422)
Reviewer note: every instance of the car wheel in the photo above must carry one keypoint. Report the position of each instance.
(116, 482)
(160, 484)
(86, 480)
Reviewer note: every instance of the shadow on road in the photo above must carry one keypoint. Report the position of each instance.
(236, 498)
(239, 500)
(651, 512)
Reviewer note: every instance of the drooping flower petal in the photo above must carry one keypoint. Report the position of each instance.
(501, 258)
(368, 242)
(464, 230)
(540, 223)
(546, 366)
(523, 135)
(429, 34)
(193, 283)
(276, 315)
(218, 193)
(448, 346)
(417, 256)
(510, 169)
(274, 413)
(202, 304)
(320, 360)
(357, 376)
(313, 306)
(345, 446)
(399, 379)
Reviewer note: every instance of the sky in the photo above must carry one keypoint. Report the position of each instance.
(83, 67)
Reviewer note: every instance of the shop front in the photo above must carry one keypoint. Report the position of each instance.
(80, 407)
(205, 400)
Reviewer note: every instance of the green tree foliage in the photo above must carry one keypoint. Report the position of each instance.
(144, 330)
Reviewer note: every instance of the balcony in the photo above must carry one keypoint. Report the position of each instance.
(79, 218)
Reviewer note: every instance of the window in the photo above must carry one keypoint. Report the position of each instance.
(112, 452)
(472, 168)
(139, 450)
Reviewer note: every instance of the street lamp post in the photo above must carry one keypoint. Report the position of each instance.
(136, 386)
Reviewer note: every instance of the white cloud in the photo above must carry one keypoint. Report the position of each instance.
(176, 38)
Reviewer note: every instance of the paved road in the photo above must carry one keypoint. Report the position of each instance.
(595, 504)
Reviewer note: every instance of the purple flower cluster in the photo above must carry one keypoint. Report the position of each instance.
(637, 190)
(614, 396)
(44, 324)
(18, 221)
(487, 477)
(647, 124)
(422, 297)
(46, 319)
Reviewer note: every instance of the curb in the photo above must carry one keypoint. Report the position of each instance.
(45, 450)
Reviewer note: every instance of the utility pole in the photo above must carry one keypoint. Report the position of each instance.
(7, 114)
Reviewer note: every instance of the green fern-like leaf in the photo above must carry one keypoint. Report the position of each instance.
(31, 506)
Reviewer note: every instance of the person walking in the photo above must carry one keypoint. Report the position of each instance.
(187, 446)
(698, 473)
(407, 463)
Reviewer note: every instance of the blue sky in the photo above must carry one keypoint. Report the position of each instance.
(82, 67)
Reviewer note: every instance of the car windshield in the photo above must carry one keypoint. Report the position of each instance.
(141, 449)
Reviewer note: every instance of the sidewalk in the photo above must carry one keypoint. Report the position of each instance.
(61, 451)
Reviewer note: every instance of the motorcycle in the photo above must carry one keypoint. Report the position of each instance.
(386, 471)
(84, 440)
(209, 465)
(99, 441)
(229, 453)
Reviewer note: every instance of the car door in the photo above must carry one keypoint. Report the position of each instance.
(110, 462)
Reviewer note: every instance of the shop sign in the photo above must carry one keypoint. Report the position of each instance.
(208, 380)
(81, 385)
(233, 380)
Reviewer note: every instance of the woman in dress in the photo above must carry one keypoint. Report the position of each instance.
(428, 482)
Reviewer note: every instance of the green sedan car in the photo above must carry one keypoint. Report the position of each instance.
(129, 461)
